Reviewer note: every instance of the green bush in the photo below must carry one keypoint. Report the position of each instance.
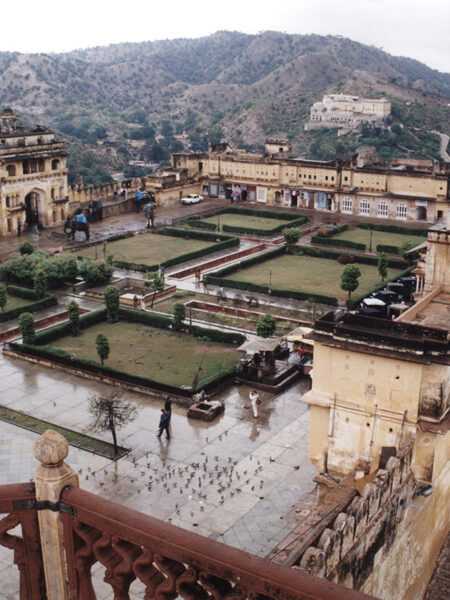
(263, 232)
(59, 331)
(73, 310)
(95, 272)
(3, 298)
(112, 298)
(291, 235)
(26, 326)
(227, 243)
(265, 326)
(203, 224)
(179, 315)
(268, 214)
(325, 241)
(40, 282)
(26, 248)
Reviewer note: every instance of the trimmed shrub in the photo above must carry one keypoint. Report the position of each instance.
(179, 315)
(32, 307)
(73, 310)
(40, 282)
(330, 241)
(393, 263)
(393, 228)
(388, 249)
(26, 326)
(203, 224)
(111, 296)
(59, 331)
(102, 345)
(26, 248)
(346, 259)
(3, 298)
(262, 212)
(265, 326)
(21, 292)
(291, 235)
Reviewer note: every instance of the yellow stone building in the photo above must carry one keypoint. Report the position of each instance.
(33, 176)
(405, 190)
(347, 112)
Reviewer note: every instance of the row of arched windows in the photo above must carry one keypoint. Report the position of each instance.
(32, 166)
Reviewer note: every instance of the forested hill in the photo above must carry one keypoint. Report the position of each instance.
(233, 85)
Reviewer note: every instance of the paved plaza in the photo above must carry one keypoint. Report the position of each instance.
(233, 480)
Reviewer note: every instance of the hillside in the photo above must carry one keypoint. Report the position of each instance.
(227, 85)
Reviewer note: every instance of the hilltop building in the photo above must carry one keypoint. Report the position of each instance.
(348, 112)
(33, 176)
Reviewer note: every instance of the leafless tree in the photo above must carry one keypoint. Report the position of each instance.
(110, 411)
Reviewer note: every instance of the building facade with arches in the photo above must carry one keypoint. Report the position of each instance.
(33, 177)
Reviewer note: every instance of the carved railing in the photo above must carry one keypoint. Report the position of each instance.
(18, 502)
(171, 562)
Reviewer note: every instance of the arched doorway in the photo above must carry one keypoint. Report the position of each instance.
(421, 213)
(33, 214)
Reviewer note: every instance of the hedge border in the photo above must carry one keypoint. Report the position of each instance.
(44, 302)
(294, 220)
(42, 350)
(22, 292)
(393, 263)
(353, 302)
(330, 241)
(393, 228)
(388, 249)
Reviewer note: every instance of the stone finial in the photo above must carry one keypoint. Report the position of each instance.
(51, 448)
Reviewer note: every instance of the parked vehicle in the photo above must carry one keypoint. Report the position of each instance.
(191, 199)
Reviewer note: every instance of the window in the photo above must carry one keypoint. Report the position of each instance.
(382, 208)
(401, 210)
(364, 207)
(345, 178)
(11, 169)
(55, 164)
(347, 205)
(7, 202)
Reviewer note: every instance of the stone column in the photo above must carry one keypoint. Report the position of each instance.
(52, 475)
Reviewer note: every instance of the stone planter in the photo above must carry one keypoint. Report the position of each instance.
(205, 411)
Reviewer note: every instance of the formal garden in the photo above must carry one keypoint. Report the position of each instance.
(306, 273)
(253, 221)
(148, 251)
(392, 239)
(137, 347)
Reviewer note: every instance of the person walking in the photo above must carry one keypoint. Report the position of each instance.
(164, 423)
(254, 399)
(168, 405)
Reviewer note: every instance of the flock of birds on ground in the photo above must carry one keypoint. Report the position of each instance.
(208, 479)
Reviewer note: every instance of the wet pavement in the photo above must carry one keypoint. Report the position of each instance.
(232, 480)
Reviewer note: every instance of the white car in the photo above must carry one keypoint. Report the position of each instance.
(191, 199)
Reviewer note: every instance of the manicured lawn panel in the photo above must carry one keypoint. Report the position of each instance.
(236, 220)
(162, 355)
(21, 305)
(362, 236)
(146, 249)
(306, 274)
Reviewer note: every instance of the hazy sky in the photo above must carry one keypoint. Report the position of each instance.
(415, 28)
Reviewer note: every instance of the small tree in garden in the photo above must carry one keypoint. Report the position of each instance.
(71, 269)
(291, 236)
(111, 296)
(110, 411)
(265, 326)
(74, 316)
(179, 315)
(154, 282)
(350, 279)
(26, 248)
(26, 326)
(382, 266)
(3, 297)
(40, 282)
(102, 344)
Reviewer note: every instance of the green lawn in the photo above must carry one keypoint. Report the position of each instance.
(159, 354)
(245, 221)
(16, 302)
(308, 274)
(146, 249)
(362, 236)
